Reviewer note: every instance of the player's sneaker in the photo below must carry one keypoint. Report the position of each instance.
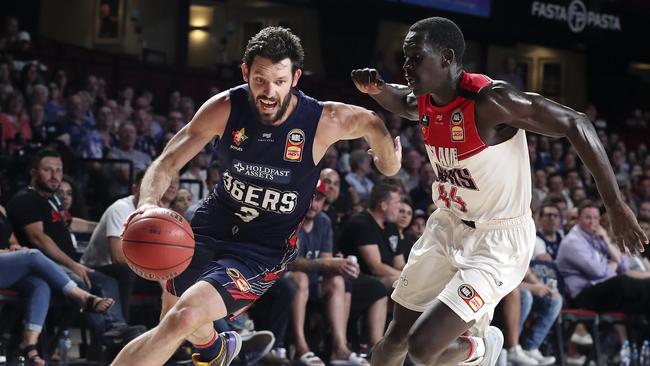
(493, 344)
(230, 346)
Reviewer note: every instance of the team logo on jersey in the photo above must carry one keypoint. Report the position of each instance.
(438, 118)
(471, 297)
(295, 145)
(238, 137)
(457, 127)
(238, 279)
(424, 120)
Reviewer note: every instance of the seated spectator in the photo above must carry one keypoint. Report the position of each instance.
(125, 149)
(549, 235)
(73, 129)
(595, 272)
(35, 275)
(644, 210)
(182, 202)
(541, 306)
(197, 170)
(100, 140)
(40, 220)
(556, 187)
(149, 132)
(421, 195)
(372, 236)
(406, 238)
(320, 276)
(104, 251)
(357, 178)
(410, 169)
(511, 312)
(14, 124)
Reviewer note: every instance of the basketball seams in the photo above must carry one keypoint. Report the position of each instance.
(159, 243)
(164, 218)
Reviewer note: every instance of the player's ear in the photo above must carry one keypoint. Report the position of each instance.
(244, 71)
(296, 76)
(447, 56)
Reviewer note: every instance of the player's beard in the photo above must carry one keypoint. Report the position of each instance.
(282, 109)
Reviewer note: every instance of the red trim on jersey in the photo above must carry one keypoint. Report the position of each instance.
(454, 125)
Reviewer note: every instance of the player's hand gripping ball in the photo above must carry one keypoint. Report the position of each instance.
(158, 244)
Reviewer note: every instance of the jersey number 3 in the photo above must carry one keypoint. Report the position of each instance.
(451, 197)
(248, 214)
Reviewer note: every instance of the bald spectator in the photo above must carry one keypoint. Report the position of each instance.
(125, 149)
(100, 140)
(149, 132)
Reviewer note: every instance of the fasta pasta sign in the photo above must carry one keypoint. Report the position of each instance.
(576, 15)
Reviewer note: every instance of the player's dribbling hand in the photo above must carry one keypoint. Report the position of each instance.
(368, 81)
(137, 212)
(626, 230)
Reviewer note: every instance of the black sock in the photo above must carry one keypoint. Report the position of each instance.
(210, 350)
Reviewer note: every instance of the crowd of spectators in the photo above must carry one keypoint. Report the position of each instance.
(105, 139)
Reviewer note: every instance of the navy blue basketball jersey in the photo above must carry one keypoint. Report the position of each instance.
(268, 175)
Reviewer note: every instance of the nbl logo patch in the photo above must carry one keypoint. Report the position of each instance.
(457, 127)
(471, 297)
(294, 145)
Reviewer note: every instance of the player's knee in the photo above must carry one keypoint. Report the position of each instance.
(421, 349)
(185, 319)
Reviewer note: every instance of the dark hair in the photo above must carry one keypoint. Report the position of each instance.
(44, 153)
(380, 193)
(549, 205)
(555, 199)
(442, 33)
(276, 44)
(587, 204)
(78, 207)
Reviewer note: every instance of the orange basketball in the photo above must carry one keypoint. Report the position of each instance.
(158, 244)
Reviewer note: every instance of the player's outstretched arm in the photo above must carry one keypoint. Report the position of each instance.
(502, 103)
(346, 122)
(208, 122)
(396, 98)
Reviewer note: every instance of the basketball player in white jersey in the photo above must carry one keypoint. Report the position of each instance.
(477, 245)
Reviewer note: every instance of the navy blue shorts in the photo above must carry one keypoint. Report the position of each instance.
(241, 272)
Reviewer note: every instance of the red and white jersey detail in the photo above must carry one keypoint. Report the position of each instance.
(475, 181)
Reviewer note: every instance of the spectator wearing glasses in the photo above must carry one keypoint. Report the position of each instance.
(549, 234)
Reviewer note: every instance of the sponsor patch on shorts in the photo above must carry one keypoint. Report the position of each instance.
(239, 280)
(471, 297)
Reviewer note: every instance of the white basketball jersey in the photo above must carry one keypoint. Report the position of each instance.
(475, 181)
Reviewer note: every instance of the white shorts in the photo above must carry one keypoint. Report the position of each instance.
(469, 270)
